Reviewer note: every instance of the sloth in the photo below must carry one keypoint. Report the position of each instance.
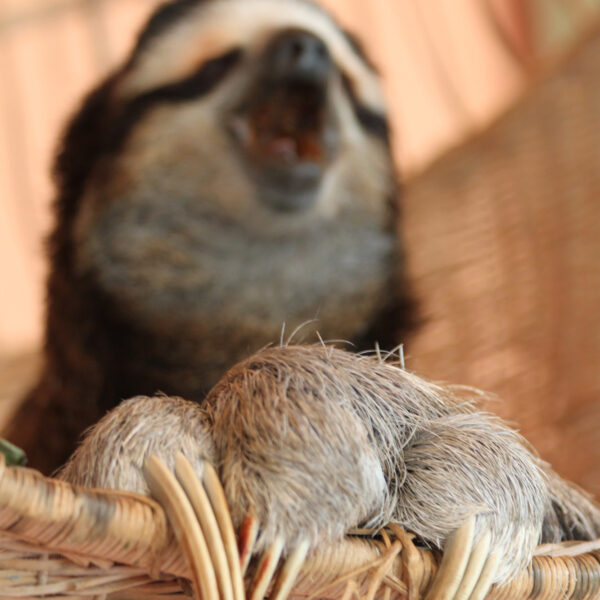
(233, 177)
(316, 441)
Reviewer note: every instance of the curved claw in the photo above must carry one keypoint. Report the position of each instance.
(247, 539)
(479, 555)
(289, 572)
(216, 495)
(454, 563)
(180, 512)
(208, 522)
(467, 570)
(265, 570)
(490, 568)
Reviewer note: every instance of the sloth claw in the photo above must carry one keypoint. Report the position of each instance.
(210, 538)
(289, 572)
(267, 567)
(247, 539)
(218, 501)
(217, 565)
(265, 570)
(467, 570)
(209, 504)
(454, 563)
(477, 559)
(487, 576)
(180, 511)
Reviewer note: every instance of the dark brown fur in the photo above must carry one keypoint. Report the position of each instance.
(101, 347)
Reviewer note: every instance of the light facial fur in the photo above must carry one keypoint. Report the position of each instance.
(224, 24)
(316, 441)
(233, 177)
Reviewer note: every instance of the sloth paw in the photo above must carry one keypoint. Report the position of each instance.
(219, 562)
(218, 565)
(468, 568)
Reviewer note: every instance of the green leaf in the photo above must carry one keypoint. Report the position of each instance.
(14, 455)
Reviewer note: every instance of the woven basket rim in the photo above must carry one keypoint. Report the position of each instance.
(53, 531)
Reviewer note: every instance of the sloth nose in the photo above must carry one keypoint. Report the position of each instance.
(299, 55)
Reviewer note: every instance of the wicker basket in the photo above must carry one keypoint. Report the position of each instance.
(61, 541)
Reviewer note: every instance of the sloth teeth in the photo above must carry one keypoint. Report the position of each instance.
(306, 148)
(286, 127)
(283, 148)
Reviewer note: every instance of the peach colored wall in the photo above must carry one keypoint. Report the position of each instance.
(445, 74)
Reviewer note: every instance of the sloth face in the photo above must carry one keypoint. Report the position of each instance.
(266, 100)
(239, 176)
(288, 91)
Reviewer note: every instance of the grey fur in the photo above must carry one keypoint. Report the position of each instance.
(115, 450)
(175, 229)
(316, 441)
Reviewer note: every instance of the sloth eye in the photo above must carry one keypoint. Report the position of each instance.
(198, 83)
(374, 122)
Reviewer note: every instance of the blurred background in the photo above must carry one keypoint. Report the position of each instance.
(450, 70)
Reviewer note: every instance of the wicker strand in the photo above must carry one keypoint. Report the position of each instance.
(54, 535)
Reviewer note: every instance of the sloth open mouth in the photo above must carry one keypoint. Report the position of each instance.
(286, 126)
(287, 137)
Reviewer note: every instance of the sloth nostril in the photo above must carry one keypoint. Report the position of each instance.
(298, 54)
(297, 49)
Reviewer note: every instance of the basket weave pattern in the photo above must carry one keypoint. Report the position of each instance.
(61, 541)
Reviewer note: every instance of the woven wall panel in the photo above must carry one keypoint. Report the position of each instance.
(504, 243)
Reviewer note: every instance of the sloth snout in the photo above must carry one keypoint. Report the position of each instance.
(299, 55)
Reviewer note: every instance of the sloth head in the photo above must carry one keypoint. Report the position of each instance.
(232, 175)
(267, 110)
(277, 86)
